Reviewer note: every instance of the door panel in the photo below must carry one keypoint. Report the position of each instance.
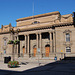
(35, 50)
(23, 51)
(47, 51)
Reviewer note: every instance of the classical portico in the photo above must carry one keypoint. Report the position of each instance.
(34, 40)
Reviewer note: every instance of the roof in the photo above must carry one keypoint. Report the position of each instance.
(36, 16)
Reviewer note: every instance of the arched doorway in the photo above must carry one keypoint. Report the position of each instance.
(34, 50)
(47, 50)
(23, 50)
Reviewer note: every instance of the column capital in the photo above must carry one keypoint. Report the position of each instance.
(15, 35)
(50, 32)
(27, 34)
(36, 33)
(54, 32)
(40, 33)
(24, 34)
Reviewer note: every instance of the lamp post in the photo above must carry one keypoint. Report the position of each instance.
(38, 50)
(14, 42)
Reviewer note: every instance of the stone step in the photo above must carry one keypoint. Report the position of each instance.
(35, 59)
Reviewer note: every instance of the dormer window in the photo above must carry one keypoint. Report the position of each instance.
(35, 22)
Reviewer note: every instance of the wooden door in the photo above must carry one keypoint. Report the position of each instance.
(47, 51)
(35, 50)
(23, 51)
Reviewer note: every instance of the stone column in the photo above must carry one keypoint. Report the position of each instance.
(25, 45)
(28, 44)
(11, 36)
(40, 43)
(37, 40)
(17, 45)
(50, 42)
(14, 46)
(54, 41)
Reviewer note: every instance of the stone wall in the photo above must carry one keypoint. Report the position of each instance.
(61, 38)
(8, 47)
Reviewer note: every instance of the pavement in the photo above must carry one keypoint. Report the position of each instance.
(20, 68)
(54, 68)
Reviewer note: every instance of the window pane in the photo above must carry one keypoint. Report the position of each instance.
(67, 37)
(68, 49)
(4, 42)
(4, 51)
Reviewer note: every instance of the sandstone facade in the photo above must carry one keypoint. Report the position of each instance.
(48, 35)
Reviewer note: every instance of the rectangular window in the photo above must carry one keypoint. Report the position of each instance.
(4, 51)
(67, 37)
(5, 42)
(68, 49)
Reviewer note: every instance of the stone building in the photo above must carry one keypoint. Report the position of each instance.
(48, 35)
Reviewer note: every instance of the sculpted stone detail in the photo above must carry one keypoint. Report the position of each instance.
(5, 38)
(4, 47)
(67, 31)
(66, 17)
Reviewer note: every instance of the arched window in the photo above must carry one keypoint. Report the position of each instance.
(68, 49)
(35, 22)
(47, 45)
(67, 37)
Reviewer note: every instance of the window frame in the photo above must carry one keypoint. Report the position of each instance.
(67, 38)
(5, 42)
(68, 49)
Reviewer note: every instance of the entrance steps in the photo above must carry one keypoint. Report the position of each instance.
(44, 61)
(1, 59)
(36, 59)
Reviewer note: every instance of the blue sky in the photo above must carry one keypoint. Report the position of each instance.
(10, 10)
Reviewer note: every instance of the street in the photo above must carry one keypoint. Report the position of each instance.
(56, 68)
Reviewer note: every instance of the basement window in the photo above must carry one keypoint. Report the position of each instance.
(68, 49)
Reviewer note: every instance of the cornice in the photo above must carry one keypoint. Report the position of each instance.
(37, 16)
(42, 27)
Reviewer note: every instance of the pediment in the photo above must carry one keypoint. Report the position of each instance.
(67, 31)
